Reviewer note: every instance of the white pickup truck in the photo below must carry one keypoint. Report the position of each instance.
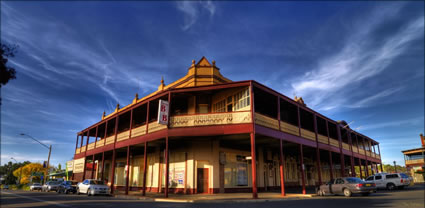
(390, 181)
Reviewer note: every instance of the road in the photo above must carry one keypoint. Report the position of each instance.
(411, 197)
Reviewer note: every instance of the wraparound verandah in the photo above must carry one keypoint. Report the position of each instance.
(219, 156)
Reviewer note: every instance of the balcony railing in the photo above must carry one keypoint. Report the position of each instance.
(91, 146)
(138, 131)
(408, 162)
(334, 142)
(345, 146)
(355, 149)
(308, 134)
(110, 140)
(100, 143)
(289, 128)
(322, 139)
(223, 119)
(123, 135)
(266, 121)
(209, 119)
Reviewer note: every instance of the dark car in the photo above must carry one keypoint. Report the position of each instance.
(346, 186)
(67, 187)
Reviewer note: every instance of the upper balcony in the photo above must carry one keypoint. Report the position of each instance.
(225, 106)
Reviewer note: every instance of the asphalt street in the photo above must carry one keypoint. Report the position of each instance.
(411, 197)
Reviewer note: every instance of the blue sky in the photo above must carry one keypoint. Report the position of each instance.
(362, 62)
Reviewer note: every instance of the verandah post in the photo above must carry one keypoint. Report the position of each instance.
(127, 173)
(282, 175)
(166, 167)
(145, 159)
(302, 167)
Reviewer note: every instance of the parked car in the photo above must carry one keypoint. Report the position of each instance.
(36, 186)
(390, 181)
(67, 187)
(93, 187)
(50, 186)
(346, 186)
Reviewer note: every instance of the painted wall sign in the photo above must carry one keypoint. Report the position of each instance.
(163, 109)
(79, 165)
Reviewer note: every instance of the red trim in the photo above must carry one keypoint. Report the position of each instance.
(113, 171)
(331, 165)
(319, 172)
(127, 173)
(166, 167)
(282, 170)
(145, 161)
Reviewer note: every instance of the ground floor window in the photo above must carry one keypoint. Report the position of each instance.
(119, 176)
(235, 170)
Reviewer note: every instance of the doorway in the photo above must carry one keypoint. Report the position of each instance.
(202, 180)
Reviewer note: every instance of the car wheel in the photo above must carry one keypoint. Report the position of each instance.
(390, 186)
(88, 192)
(365, 194)
(78, 191)
(347, 192)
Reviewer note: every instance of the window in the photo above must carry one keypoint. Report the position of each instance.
(404, 175)
(369, 178)
(378, 177)
(220, 106)
(241, 99)
(339, 181)
(358, 180)
(392, 176)
(235, 170)
(331, 181)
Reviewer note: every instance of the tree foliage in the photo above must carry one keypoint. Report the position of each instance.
(6, 72)
(7, 169)
(27, 171)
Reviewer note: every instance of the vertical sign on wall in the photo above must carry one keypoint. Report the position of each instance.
(163, 112)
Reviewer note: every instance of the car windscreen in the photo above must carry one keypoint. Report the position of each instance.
(97, 182)
(404, 175)
(354, 180)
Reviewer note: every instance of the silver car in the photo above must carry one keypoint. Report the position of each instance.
(346, 186)
(93, 187)
(51, 186)
(36, 186)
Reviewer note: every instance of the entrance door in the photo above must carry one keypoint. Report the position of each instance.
(202, 180)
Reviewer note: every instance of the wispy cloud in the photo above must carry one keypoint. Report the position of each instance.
(376, 97)
(191, 10)
(360, 59)
(397, 123)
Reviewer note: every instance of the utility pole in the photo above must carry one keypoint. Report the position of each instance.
(395, 166)
(48, 158)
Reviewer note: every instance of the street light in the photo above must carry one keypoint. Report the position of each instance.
(48, 147)
(395, 167)
(20, 173)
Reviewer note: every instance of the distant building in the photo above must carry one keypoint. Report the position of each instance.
(414, 160)
(222, 136)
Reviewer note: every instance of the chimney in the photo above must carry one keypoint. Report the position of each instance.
(422, 139)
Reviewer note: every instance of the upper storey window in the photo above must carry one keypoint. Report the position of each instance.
(241, 99)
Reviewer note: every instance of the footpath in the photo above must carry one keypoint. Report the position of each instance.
(212, 198)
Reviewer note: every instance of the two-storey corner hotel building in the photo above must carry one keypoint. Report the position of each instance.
(222, 136)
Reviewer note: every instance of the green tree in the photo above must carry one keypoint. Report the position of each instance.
(7, 169)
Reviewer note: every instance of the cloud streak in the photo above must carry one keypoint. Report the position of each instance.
(191, 10)
(358, 60)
